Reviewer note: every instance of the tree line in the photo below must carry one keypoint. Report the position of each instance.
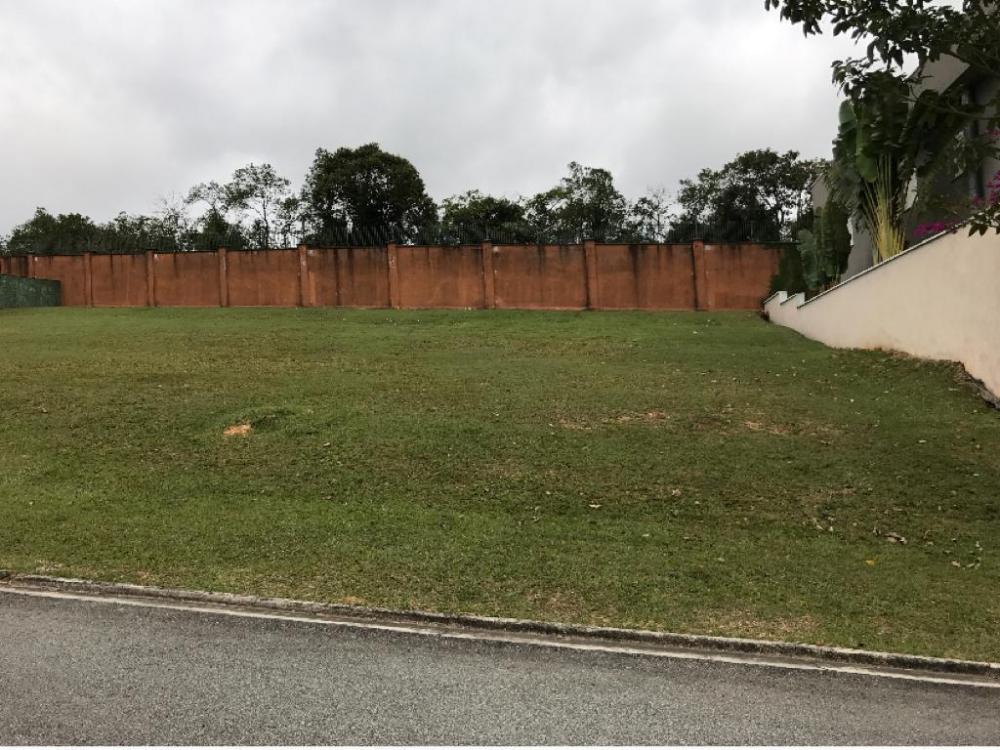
(367, 196)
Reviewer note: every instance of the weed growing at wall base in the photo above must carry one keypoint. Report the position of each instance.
(700, 473)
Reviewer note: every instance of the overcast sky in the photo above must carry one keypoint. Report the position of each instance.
(107, 105)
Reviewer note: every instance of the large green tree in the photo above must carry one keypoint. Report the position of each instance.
(47, 234)
(584, 205)
(474, 216)
(215, 227)
(900, 123)
(649, 218)
(136, 232)
(761, 194)
(824, 247)
(259, 190)
(368, 190)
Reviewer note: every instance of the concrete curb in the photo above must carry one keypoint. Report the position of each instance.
(759, 648)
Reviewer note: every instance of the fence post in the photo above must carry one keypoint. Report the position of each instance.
(30, 270)
(304, 300)
(88, 279)
(150, 278)
(393, 263)
(338, 294)
(223, 277)
(698, 276)
(489, 280)
(590, 274)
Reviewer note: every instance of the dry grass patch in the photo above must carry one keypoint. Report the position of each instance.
(746, 625)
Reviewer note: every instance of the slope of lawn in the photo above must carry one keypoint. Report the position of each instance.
(686, 472)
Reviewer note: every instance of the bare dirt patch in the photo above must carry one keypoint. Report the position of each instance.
(648, 417)
(745, 625)
(729, 423)
(755, 426)
(636, 417)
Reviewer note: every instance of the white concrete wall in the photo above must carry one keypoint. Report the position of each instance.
(937, 300)
(985, 92)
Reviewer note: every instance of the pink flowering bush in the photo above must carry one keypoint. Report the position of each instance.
(993, 190)
(930, 228)
(985, 211)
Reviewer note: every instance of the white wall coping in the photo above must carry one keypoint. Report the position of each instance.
(798, 297)
(887, 261)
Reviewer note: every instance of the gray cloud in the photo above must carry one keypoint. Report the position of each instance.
(107, 105)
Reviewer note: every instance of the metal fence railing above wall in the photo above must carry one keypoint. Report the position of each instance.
(378, 236)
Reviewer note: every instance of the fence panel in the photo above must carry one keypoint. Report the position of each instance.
(186, 279)
(645, 277)
(545, 277)
(69, 270)
(735, 274)
(540, 277)
(441, 276)
(363, 274)
(16, 291)
(118, 280)
(263, 278)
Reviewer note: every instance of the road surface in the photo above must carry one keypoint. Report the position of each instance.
(81, 671)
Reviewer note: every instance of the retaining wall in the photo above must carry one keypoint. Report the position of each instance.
(548, 277)
(938, 300)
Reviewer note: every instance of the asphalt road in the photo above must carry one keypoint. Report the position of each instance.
(86, 672)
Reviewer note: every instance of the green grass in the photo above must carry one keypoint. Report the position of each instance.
(687, 472)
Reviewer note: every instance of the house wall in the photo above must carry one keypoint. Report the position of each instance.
(937, 300)
(862, 249)
(986, 92)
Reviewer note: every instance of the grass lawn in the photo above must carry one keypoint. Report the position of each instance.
(689, 472)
